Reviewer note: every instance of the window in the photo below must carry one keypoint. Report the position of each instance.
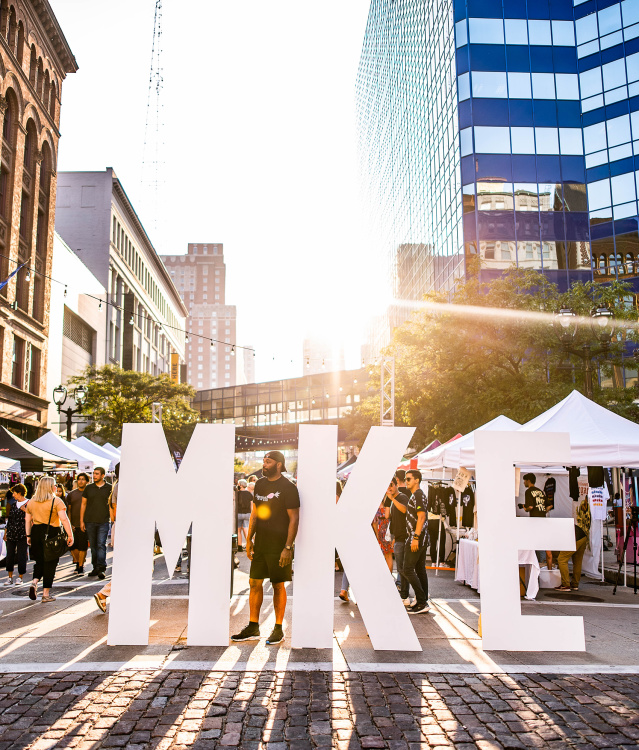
(609, 20)
(547, 140)
(543, 85)
(539, 32)
(618, 130)
(590, 81)
(17, 363)
(623, 188)
(33, 374)
(463, 86)
(563, 33)
(486, 30)
(461, 33)
(489, 85)
(571, 141)
(595, 137)
(519, 86)
(516, 31)
(586, 28)
(567, 86)
(599, 195)
(492, 140)
(523, 140)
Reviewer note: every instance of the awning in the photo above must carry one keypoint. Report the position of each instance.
(108, 460)
(55, 444)
(31, 458)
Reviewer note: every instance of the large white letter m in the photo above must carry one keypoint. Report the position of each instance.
(151, 492)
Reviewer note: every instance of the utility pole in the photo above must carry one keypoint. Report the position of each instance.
(387, 405)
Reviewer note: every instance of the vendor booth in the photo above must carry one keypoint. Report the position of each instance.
(108, 460)
(31, 458)
(58, 446)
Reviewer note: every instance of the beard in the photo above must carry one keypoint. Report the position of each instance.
(269, 472)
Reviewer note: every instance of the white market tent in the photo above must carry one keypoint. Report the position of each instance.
(111, 449)
(55, 444)
(598, 436)
(108, 461)
(451, 454)
(9, 464)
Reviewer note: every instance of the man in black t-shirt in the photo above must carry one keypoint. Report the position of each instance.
(537, 504)
(416, 542)
(80, 540)
(396, 501)
(94, 519)
(269, 546)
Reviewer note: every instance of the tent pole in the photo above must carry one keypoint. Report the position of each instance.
(458, 527)
(623, 516)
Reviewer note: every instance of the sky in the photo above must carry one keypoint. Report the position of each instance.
(258, 150)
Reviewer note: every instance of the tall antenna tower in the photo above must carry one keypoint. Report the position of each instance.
(154, 126)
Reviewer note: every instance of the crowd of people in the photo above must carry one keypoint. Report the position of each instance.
(51, 522)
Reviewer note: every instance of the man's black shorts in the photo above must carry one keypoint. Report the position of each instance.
(80, 540)
(267, 565)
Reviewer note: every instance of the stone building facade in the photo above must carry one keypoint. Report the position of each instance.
(35, 58)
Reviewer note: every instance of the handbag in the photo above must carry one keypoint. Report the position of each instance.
(55, 545)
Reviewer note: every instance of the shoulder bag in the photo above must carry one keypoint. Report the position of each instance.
(55, 545)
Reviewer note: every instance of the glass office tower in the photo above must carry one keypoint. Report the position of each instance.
(503, 129)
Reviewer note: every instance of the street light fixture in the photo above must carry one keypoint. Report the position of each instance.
(60, 396)
(602, 325)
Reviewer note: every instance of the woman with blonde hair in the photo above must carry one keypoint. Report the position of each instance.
(45, 513)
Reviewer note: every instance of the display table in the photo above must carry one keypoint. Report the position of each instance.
(468, 567)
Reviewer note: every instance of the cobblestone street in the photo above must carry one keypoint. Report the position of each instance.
(291, 711)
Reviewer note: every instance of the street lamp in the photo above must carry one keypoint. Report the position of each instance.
(60, 396)
(602, 325)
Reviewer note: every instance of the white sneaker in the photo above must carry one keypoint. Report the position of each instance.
(8, 582)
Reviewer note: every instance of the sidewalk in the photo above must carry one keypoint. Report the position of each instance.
(70, 633)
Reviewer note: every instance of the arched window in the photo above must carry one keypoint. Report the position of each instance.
(20, 45)
(33, 66)
(52, 100)
(4, 18)
(46, 90)
(40, 78)
(30, 143)
(603, 264)
(630, 263)
(13, 28)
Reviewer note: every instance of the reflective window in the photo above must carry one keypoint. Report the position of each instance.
(595, 137)
(489, 85)
(599, 194)
(461, 33)
(632, 67)
(494, 196)
(614, 74)
(516, 31)
(563, 33)
(567, 86)
(468, 197)
(523, 140)
(571, 141)
(611, 40)
(539, 32)
(618, 130)
(547, 140)
(519, 86)
(609, 20)
(590, 81)
(623, 188)
(630, 12)
(492, 140)
(543, 85)
(486, 30)
(592, 103)
(526, 198)
(586, 28)
(463, 86)
(466, 141)
(549, 197)
(634, 119)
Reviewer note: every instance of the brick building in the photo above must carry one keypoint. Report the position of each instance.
(200, 278)
(34, 60)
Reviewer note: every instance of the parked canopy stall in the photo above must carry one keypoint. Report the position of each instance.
(108, 460)
(31, 458)
(55, 444)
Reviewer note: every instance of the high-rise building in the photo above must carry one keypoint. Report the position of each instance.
(145, 314)
(35, 59)
(200, 278)
(503, 130)
(322, 355)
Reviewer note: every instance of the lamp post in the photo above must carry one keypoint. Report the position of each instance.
(60, 396)
(602, 325)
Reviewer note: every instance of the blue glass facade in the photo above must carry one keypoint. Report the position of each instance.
(544, 168)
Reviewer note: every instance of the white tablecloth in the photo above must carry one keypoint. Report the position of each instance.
(468, 567)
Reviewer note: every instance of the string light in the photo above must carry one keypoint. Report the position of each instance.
(28, 276)
(131, 321)
(186, 338)
(232, 351)
(65, 291)
(100, 305)
(212, 345)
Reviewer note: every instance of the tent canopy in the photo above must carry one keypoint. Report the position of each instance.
(112, 450)
(108, 461)
(598, 436)
(55, 444)
(31, 458)
(8, 464)
(461, 452)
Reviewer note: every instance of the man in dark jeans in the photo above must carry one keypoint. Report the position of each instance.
(94, 519)
(396, 501)
(416, 543)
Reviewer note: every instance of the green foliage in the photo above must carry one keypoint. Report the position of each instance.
(460, 362)
(116, 396)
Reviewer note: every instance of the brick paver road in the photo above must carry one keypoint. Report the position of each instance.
(299, 710)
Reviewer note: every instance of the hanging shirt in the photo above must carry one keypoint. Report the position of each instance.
(598, 497)
(468, 507)
(573, 483)
(550, 488)
(595, 476)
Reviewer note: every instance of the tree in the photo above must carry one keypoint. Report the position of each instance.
(116, 396)
(493, 349)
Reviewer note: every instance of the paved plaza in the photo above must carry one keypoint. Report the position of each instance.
(62, 686)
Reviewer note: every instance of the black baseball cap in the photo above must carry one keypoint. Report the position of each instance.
(277, 457)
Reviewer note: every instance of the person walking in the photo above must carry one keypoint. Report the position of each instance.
(59, 491)
(80, 539)
(269, 546)
(44, 514)
(582, 537)
(105, 592)
(244, 502)
(416, 543)
(94, 519)
(15, 535)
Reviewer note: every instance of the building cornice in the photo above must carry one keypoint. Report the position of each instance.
(50, 24)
